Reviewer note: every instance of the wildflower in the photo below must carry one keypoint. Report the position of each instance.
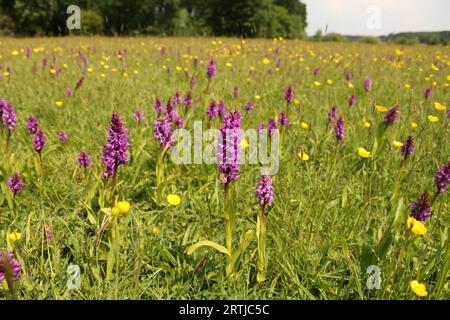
(367, 123)
(12, 264)
(332, 117)
(58, 104)
(339, 130)
(39, 140)
(83, 159)
(244, 144)
(48, 233)
(115, 150)
(418, 288)
(316, 72)
(235, 92)
(264, 191)
(212, 69)
(221, 108)
(303, 155)
(414, 125)
(188, 100)
(179, 122)
(289, 94)
(442, 178)
(330, 82)
(159, 106)
(63, 137)
(15, 183)
(363, 153)
(304, 125)
(212, 110)
(427, 93)
(228, 147)
(283, 120)
(433, 119)
(192, 81)
(408, 148)
(14, 236)
(177, 98)
(296, 101)
(123, 207)
(9, 117)
(79, 83)
(272, 126)
(317, 83)
(248, 106)
(421, 210)
(416, 227)
(32, 125)
(138, 115)
(368, 84)
(173, 199)
(260, 128)
(439, 106)
(266, 61)
(163, 131)
(351, 100)
(391, 115)
(381, 108)
(397, 144)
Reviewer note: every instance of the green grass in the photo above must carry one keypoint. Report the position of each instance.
(329, 216)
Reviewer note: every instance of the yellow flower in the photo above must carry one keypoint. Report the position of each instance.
(433, 119)
(399, 52)
(364, 153)
(173, 199)
(125, 74)
(317, 83)
(59, 104)
(15, 53)
(397, 144)
(257, 97)
(178, 68)
(14, 236)
(244, 144)
(90, 69)
(407, 86)
(228, 64)
(418, 288)
(367, 124)
(296, 102)
(414, 125)
(303, 155)
(329, 82)
(434, 67)
(123, 206)
(381, 108)
(350, 85)
(439, 106)
(6, 73)
(416, 227)
(266, 61)
(155, 231)
(304, 125)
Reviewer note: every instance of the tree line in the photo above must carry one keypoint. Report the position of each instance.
(247, 18)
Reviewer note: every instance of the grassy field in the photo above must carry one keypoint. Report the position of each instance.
(333, 215)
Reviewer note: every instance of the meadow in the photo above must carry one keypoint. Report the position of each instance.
(348, 193)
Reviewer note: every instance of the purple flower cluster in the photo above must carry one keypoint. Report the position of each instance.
(289, 94)
(115, 150)
(159, 108)
(221, 108)
(391, 115)
(283, 120)
(83, 159)
(13, 265)
(63, 137)
(339, 130)
(264, 191)
(272, 126)
(32, 125)
(408, 148)
(332, 114)
(39, 140)
(138, 115)
(235, 92)
(15, 183)
(248, 106)
(442, 178)
(212, 109)
(212, 69)
(427, 93)
(228, 147)
(368, 84)
(8, 115)
(188, 100)
(162, 128)
(316, 72)
(351, 100)
(421, 210)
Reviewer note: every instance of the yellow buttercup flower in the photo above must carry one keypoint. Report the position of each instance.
(244, 144)
(317, 83)
(381, 108)
(155, 231)
(296, 102)
(59, 104)
(303, 156)
(397, 144)
(407, 86)
(367, 124)
(228, 64)
(6, 73)
(364, 153)
(173, 199)
(439, 106)
(329, 82)
(123, 206)
(266, 61)
(433, 119)
(414, 125)
(350, 85)
(90, 69)
(418, 288)
(257, 97)
(304, 125)
(416, 226)
(434, 67)
(14, 236)
(15, 53)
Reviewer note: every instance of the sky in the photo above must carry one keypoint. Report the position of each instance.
(377, 17)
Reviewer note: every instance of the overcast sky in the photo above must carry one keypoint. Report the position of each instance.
(377, 17)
